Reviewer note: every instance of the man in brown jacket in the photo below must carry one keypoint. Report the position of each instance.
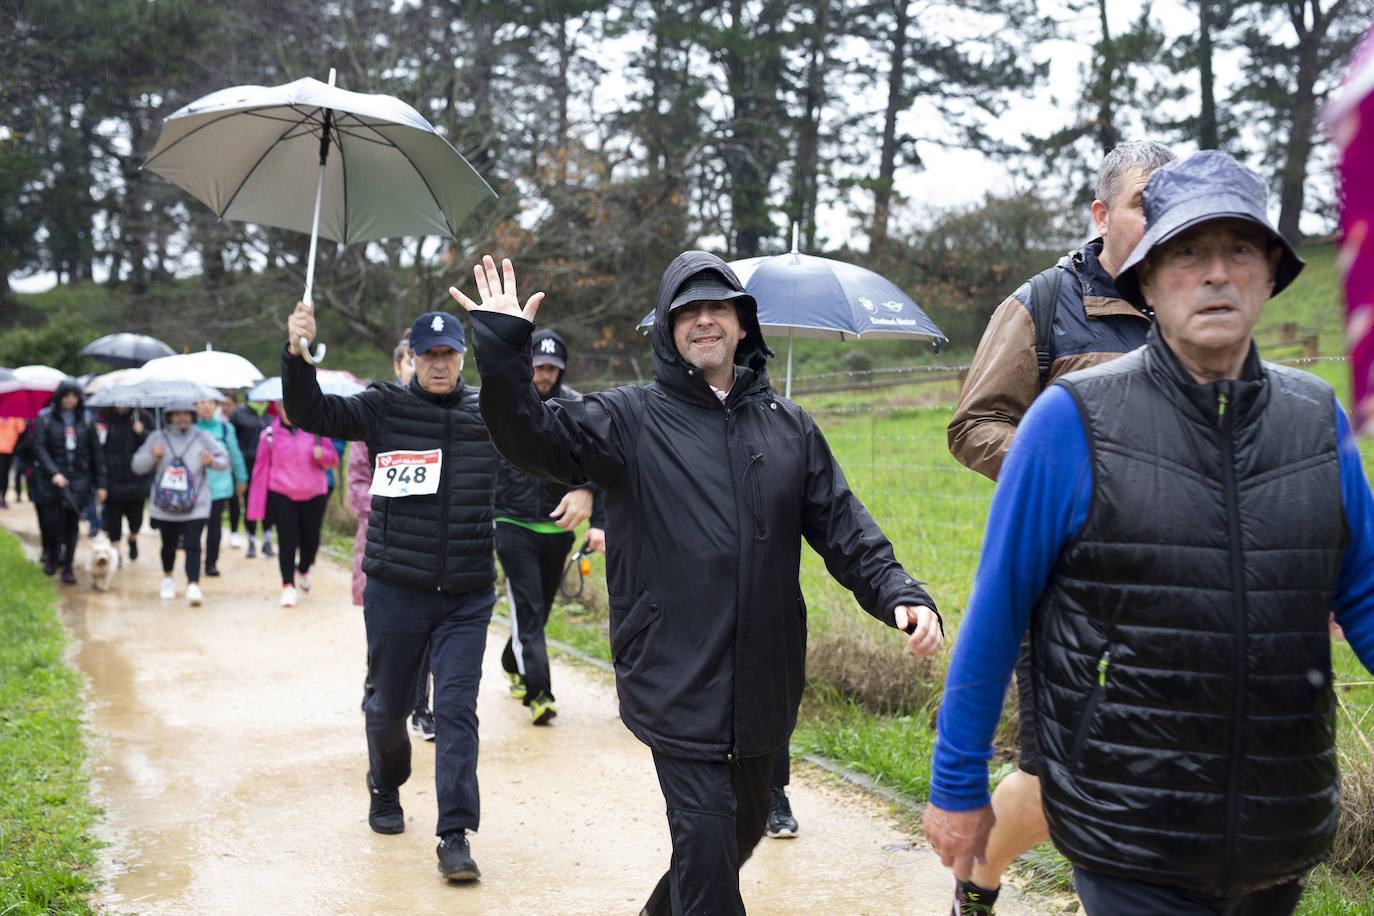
(1083, 322)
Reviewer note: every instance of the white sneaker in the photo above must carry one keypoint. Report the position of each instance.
(288, 596)
(235, 540)
(303, 582)
(193, 595)
(169, 587)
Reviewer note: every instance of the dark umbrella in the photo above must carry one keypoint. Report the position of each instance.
(125, 350)
(808, 296)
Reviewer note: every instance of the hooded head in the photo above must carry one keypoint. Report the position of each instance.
(696, 276)
(65, 387)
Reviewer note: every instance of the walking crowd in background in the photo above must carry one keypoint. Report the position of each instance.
(1178, 529)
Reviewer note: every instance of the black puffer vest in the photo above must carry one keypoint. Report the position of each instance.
(441, 542)
(1181, 654)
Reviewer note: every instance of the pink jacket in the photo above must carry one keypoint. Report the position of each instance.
(287, 466)
(360, 501)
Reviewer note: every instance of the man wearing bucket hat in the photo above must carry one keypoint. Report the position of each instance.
(428, 561)
(712, 481)
(1174, 528)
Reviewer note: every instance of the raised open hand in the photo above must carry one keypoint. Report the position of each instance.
(497, 291)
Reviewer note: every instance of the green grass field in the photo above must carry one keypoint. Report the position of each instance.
(46, 852)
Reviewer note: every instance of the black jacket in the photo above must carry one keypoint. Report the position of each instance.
(120, 444)
(706, 508)
(248, 425)
(435, 542)
(1181, 655)
(83, 465)
(528, 498)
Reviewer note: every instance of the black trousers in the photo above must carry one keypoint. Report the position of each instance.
(6, 459)
(172, 533)
(1106, 896)
(214, 530)
(117, 510)
(58, 527)
(298, 529)
(401, 623)
(717, 813)
(533, 563)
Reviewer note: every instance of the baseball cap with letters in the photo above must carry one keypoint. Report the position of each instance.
(436, 329)
(548, 349)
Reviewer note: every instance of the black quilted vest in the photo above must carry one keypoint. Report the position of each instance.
(441, 542)
(1182, 659)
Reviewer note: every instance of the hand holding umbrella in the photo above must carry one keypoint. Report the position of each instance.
(300, 330)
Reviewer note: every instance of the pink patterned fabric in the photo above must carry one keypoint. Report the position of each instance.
(360, 501)
(1350, 119)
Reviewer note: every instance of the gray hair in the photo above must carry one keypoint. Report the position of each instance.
(1146, 155)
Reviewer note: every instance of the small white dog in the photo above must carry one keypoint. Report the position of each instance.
(101, 561)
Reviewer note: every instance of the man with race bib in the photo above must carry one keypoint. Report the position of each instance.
(428, 561)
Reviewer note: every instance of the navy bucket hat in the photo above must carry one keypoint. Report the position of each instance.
(1186, 192)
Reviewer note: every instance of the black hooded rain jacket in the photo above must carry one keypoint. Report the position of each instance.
(706, 507)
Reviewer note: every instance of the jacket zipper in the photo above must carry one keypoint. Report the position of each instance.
(733, 753)
(1090, 710)
(1228, 476)
(443, 502)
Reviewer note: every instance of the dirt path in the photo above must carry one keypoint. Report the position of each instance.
(230, 760)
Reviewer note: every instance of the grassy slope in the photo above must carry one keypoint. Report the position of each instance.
(46, 856)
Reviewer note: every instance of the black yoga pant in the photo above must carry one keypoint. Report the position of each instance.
(298, 529)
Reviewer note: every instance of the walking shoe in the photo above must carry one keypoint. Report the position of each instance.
(455, 860)
(422, 724)
(252, 550)
(302, 581)
(267, 550)
(133, 548)
(212, 570)
(517, 684)
(68, 576)
(384, 814)
(542, 710)
(781, 824)
(49, 567)
(193, 595)
(169, 587)
(288, 596)
(235, 540)
(972, 900)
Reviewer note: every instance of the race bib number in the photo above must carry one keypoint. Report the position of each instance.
(175, 477)
(407, 473)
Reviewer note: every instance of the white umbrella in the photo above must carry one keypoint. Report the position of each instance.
(254, 152)
(40, 375)
(209, 367)
(117, 377)
(154, 392)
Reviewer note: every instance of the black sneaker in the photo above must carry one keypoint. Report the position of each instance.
(781, 824)
(68, 576)
(212, 571)
(455, 861)
(385, 814)
(972, 900)
(49, 567)
(133, 549)
(422, 724)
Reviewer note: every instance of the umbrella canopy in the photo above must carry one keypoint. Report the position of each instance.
(26, 390)
(252, 153)
(154, 392)
(332, 381)
(210, 367)
(808, 296)
(125, 349)
(1350, 119)
(117, 377)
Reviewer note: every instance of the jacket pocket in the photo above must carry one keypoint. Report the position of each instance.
(1085, 724)
(643, 612)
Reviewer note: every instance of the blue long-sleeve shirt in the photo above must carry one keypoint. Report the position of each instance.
(1041, 501)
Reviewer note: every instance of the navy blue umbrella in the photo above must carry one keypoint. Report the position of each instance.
(808, 296)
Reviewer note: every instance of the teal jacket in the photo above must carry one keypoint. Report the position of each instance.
(222, 482)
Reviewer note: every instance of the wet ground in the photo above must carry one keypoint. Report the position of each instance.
(229, 758)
